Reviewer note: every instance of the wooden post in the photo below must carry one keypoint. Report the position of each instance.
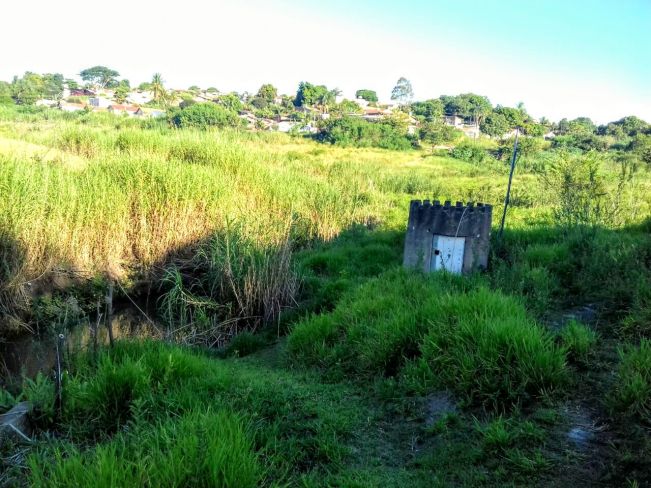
(95, 329)
(109, 312)
(59, 374)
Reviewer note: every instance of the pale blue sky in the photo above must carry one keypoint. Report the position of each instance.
(561, 58)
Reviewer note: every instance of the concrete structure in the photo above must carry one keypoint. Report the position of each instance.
(454, 238)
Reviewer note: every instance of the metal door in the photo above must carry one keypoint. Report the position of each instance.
(447, 253)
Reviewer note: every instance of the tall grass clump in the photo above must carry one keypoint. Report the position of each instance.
(483, 346)
(435, 332)
(229, 285)
(579, 340)
(199, 449)
(631, 393)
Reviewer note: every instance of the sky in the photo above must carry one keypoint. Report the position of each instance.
(561, 58)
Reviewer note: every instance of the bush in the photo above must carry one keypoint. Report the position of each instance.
(353, 131)
(203, 116)
(631, 394)
(470, 152)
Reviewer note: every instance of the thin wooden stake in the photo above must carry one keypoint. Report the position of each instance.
(109, 312)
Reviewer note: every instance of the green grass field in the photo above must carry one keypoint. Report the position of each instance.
(298, 351)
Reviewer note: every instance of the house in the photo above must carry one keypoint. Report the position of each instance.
(150, 112)
(372, 113)
(119, 109)
(72, 107)
(453, 120)
(550, 135)
(81, 92)
(100, 102)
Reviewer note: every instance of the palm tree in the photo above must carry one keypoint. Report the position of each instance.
(158, 89)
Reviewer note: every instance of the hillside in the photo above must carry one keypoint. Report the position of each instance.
(290, 347)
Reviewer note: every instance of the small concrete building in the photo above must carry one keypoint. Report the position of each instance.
(453, 238)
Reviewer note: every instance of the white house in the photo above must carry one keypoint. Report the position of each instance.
(100, 102)
(454, 121)
(549, 135)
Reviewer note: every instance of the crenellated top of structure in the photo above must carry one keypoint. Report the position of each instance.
(447, 206)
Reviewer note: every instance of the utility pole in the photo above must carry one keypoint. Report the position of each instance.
(508, 189)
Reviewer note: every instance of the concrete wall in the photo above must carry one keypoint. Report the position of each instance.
(468, 221)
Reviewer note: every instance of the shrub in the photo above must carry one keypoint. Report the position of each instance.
(631, 394)
(353, 131)
(244, 344)
(203, 116)
(470, 152)
(578, 340)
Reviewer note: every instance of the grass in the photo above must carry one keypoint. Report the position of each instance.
(239, 239)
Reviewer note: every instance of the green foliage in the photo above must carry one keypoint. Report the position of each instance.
(268, 92)
(429, 110)
(231, 102)
(353, 131)
(470, 152)
(435, 133)
(641, 146)
(99, 75)
(368, 95)
(579, 340)
(479, 344)
(495, 125)
(244, 343)
(631, 394)
(203, 116)
(309, 94)
(210, 448)
(483, 347)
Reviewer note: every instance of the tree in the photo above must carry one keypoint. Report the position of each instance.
(513, 116)
(100, 76)
(231, 101)
(212, 89)
(402, 92)
(194, 89)
(5, 93)
(158, 88)
(267, 92)
(435, 133)
(28, 89)
(495, 125)
(581, 126)
(368, 95)
(474, 107)
(346, 107)
(121, 91)
(641, 145)
(144, 86)
(429, 110)
(309, 94)
(71, 84)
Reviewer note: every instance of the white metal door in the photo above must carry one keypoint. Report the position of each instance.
(447, 253)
